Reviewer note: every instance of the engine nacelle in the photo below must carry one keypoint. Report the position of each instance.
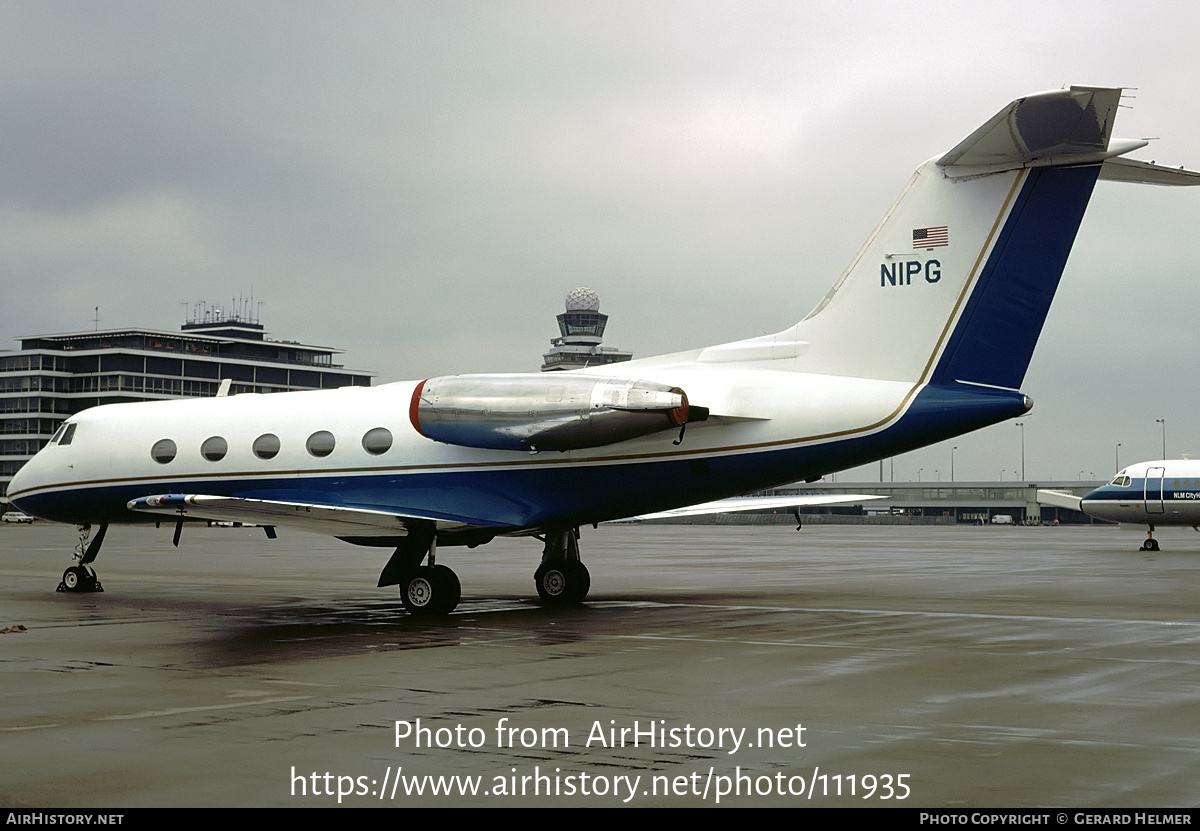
(545, 411)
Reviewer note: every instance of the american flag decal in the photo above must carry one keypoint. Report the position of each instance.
(931, 237)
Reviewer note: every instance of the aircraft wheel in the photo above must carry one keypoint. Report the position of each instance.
(430, 591)
(78, 579)
(585, 581)
(452, 585)
(1150, 544)
(562, 583)
(72, 577)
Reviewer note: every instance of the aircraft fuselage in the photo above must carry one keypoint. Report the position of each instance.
(357, 447)
(1149, 493)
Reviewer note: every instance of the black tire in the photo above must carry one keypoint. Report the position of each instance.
(78, 579)
(452, 587)
(430, 591)
(562, 583)
(1150, 544)
(585, 581)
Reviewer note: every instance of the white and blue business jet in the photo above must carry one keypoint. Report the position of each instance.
(1148, 494)
(925, 336)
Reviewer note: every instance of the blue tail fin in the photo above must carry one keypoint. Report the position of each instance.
(956, 282)
(998, 329)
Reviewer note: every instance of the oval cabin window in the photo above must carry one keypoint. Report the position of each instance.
(320, 443)
(377, 441)
(163, 451)
(266, 446)
(214, 449)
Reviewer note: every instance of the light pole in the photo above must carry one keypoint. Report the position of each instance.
(1163, 422)
(1021, 424)
(952, 449)
(1117, 458)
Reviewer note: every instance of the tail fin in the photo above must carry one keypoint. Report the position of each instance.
(956, 282)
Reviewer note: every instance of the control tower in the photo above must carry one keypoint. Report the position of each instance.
(582, 328)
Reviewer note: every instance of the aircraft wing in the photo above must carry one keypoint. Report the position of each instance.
(1058, 499)
(759, 503)
(335, 520)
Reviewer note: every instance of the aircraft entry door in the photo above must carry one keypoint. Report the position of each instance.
(1154, 489)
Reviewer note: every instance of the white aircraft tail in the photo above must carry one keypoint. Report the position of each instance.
(956, 281)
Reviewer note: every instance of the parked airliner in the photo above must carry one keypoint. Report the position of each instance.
(1158, 493)
(926, 335)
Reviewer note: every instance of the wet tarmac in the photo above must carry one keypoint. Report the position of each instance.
(927, 667)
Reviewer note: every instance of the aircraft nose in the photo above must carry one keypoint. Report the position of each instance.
(20, 480)
(30, 476)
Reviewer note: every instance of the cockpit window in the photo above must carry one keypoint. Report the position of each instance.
(65, 432)
(1121, 481)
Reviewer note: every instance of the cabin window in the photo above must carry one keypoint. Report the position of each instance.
(214, 449)
(320, 443)
(163, 451)
(266, 446)
(377, 441)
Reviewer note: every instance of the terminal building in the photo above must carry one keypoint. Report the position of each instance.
(941, 503)
(54, 376)
(582, 331)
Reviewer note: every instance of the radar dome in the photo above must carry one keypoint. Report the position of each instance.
(583, 300)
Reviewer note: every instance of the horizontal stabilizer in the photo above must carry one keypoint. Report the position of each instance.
(1146, 173)
(1064, 126)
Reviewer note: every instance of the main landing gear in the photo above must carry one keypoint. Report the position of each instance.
(425, 590)
(431, 590)
(82, 577)
(562, 579)
(428, 589)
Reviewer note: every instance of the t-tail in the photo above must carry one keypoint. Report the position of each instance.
(954, 284)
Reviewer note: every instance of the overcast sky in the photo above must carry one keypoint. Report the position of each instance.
(421, 183)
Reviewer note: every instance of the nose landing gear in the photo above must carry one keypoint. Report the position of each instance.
(1150, 544)
(82, 578)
